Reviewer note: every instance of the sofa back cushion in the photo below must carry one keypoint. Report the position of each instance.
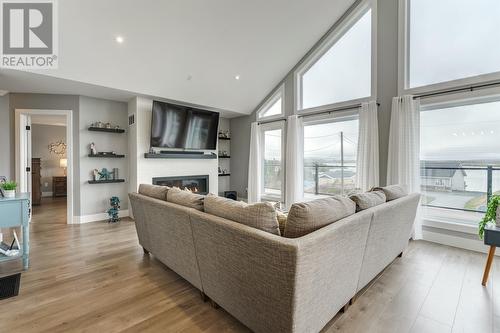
(306, 217)
(185, 198)
(367, 200)
(260, 215)
(154, 191)
(392, 192)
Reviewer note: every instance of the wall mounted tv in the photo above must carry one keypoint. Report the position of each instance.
(177, 126)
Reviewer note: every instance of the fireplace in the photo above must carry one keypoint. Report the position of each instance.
(196, 184)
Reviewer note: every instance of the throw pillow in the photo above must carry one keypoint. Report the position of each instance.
(261, 215)
(154, 191)
(306, 217)
(368, 199)
(186, 198)
(392, 192)
(282, 217)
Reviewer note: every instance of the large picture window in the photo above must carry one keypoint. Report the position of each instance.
(460, 157)
(342, 69)
(450, 40)
(272, 164)
(330, 150)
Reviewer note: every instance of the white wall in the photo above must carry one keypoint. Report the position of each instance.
(95, 198)
(42, 136)
(5, 139)
(145, 169)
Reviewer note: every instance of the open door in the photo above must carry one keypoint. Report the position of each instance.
(25, 153)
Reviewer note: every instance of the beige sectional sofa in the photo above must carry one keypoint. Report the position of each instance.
(268, 282)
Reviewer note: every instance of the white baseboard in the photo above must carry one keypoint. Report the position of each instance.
(97, 217)
(46, 194)
(455, 240)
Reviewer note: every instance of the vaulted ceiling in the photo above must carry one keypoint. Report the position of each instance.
(186, 50)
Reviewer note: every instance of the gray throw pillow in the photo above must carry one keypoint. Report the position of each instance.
(392, 192)
(368, 199)
(261, 215)
(185, 198)
(154, 191)
(306, 217)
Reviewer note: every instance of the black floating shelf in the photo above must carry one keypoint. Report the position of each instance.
(224, 156)
(107, 181)
(108, 130)
(106, 156)
(190, 156)
(221, 138)
(224, 174)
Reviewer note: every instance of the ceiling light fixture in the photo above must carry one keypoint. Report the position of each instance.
(237, 77)
(119, 39)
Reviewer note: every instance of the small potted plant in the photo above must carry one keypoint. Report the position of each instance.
(9, 189)
(492, 214)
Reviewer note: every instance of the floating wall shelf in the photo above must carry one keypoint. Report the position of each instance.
(224, 174)
(108, 130)
(106, 156)
(93, 182)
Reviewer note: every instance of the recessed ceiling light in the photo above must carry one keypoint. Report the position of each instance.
(119, 39)
(237, 77)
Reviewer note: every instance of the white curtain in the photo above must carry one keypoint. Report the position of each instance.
(367, 165)
(254, 165)
(403, 165)
(294, 161)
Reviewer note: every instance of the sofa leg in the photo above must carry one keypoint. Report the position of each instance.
(204, 297)
(400, 255)
(214, 305)
(145, 251)
(345, 307)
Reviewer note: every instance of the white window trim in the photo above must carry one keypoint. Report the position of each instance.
(404, 63)
(279, 93)
(262, 129)
(325, 45)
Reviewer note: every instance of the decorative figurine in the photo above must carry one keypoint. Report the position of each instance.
(115, 173)
(108, 125)
(93, 150)
(114, 202)
(227, 134)
(99, 124)
(104, 174)
(95, 174)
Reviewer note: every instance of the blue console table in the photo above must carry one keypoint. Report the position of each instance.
(15, 212)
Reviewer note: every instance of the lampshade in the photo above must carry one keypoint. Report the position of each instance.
(63, 163)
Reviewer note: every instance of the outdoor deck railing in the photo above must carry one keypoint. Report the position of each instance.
(441, 186)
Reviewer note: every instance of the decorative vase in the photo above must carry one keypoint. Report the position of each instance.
(498, 217)
(9, 193)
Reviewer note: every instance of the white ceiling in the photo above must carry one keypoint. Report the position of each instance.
(168, 41)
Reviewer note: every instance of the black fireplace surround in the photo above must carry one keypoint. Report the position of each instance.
(196, 184)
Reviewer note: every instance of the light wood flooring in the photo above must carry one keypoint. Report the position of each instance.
(95, 278)
(51, 210)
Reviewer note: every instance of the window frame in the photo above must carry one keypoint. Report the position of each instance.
(279, 93)
(447, 218)
(404, 62)
(262, 129)
(337, 32)
(333, 117)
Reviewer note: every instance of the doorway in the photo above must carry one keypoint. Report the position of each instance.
(44, 167)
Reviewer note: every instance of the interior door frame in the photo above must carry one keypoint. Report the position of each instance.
(69, 150)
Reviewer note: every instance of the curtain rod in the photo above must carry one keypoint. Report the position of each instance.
(455, 90)
(345, 108)
(269, 121)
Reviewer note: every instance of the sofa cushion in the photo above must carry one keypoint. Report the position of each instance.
(368, 199)
(185, 198)
(306, 217)
(154, 191)
(392, 192)
(282, 217)
(261, 215)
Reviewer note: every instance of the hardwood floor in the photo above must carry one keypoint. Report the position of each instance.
(95, 278)
(51, 210)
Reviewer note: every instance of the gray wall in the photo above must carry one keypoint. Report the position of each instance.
(387, 87)
(96, 197)
(6, 149)
(42, 136)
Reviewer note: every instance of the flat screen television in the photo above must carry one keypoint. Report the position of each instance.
(177, 126)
